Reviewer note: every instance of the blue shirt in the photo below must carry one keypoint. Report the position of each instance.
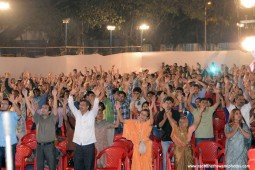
(12, 125)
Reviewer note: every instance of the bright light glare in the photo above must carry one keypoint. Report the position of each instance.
(213, 69)
(4, 6)
(110, 27)
(248, 3)
(248, 43)
(66, 21)
(144, 27)
(239, 25)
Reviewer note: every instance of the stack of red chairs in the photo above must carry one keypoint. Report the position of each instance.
(30, 141)
(22, 152)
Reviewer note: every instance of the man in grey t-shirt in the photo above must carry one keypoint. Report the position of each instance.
(45, 132)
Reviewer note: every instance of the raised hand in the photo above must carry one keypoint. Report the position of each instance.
(97, 91)
(73, 91)
(24, 92)
(11, 98)
(54, 92)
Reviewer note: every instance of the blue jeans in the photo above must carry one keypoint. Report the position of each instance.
(157, 132)
(2, 155)
(165, 146)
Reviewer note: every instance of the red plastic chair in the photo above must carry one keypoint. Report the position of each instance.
(114, 157)
(221, 114)
(22, 152)
(32, 145)
(117, 137)
(29, 124)
(251, 164)
(169, 156)
(251, 154)
(223, 142)
(28, 137)
(155, 138)
(218, 128)
(209, 152)
(127, 143)
(158, 148)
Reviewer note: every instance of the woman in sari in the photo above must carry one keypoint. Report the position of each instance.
(181, 136)
(238, 137)
(138, 131)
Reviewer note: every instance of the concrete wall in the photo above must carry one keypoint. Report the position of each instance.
(126, 62)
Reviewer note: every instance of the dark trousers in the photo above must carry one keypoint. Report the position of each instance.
(84, 157)
(48, 153)
(118, 130)
(2, 156)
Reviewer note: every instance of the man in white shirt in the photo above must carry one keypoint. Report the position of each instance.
(239, 102)
(84, 133)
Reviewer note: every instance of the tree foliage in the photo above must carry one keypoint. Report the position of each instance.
(171, 21)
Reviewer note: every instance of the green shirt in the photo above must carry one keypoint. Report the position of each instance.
(205, 128)
(109, 114)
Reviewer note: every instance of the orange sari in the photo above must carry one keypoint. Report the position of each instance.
(136, 132)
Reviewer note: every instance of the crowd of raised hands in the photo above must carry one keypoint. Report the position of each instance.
(175, 81)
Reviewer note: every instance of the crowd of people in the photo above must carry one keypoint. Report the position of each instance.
(95, 104)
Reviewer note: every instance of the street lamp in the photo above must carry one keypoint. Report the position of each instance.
(4, 5)
(66, 21)
(239, 26)
(205, 36)
(142, 28)
(111, 28)
(248, 3)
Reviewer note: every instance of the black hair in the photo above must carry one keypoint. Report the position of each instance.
(122, 92)
(137, 89)
(115, 90)
(145, 103)
(210, 101)
(9, 102)
(101, 104)
(88, 93)
(168, 98)
(151, 92)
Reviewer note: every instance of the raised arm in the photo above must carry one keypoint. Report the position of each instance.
(215, 106)
(29, 106)
(170, 118)
(64, 103)
(95, 107)
(14, 104)
(55, 102)
(191, 108)
(71, 102)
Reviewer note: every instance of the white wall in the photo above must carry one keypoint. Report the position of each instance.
(126, 62)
